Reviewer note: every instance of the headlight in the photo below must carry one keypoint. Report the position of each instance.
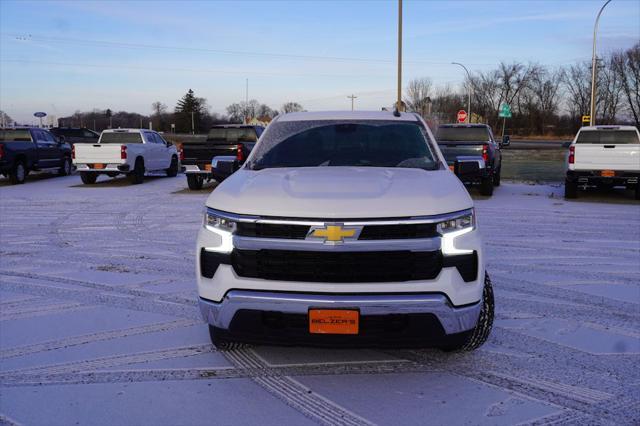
(455, 227)
(221, 226)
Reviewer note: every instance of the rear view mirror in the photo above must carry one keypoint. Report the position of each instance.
(506, 140)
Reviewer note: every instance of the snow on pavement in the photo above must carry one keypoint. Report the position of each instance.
(99, 323)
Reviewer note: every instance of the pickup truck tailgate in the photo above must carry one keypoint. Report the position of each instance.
(86, 153)
(205, 151)
(607, 157)
(453, 150)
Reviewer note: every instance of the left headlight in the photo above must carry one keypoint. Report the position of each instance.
(221, 226)
(452, 228)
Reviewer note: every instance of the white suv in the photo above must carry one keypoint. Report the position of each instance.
(344, 227)
(125, 151)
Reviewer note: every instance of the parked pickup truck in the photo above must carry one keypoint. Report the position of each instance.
(472, 153)
(604, 156)
(231, 142)
(344, 228)
(23, 150)
(132, 152)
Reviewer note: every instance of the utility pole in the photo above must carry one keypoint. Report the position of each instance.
(468, 90)
(399, 101)
(592, 113)
(352, 97)
(193, 125)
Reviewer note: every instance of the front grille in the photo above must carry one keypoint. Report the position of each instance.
(268, 230)
(398, 232)
(345, 267)
(369, 232)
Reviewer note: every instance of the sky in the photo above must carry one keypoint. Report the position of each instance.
(63, 56)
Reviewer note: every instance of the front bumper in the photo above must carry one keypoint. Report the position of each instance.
(452, 319)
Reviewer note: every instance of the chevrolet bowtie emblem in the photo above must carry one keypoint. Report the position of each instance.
(334, 233)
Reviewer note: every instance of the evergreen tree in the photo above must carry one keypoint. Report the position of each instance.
(189, 104)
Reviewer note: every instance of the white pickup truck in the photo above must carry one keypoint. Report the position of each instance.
(125, 151)
(344, 228)
(604, 156)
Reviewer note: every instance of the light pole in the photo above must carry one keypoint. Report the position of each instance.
(352, 97)
(468, 90)
(592, 112)
(193, 126)
(399, 101)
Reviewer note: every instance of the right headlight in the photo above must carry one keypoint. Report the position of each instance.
(452, 228)
(221, 226)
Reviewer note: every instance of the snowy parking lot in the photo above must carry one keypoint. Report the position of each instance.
(99, 322)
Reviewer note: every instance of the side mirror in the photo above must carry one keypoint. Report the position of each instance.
(168, 143)
(567, 144)
(61, 139)
(506, 140)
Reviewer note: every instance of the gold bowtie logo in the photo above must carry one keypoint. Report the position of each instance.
(333, 233)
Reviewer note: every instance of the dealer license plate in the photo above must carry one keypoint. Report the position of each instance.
(207, 167)
(608, 173)
(98, 166)
(334, 321)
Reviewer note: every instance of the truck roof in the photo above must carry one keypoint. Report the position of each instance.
(606, 127)
(346, 115)
(235, 126)
(126, 130)
(464, 125)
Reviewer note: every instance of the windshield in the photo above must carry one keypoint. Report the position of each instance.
(608, 137)
(339, 143)
(462, 134)
(120, 137)
(15, 135)
(232, 135)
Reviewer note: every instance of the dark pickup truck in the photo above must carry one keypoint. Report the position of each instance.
(228, 144)
(74, 135)
(472, 153)
(23, 150)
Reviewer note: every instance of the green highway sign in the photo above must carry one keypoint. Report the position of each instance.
(505, 111)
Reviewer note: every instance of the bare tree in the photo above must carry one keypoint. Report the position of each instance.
(158, 108)
(627, 67)
(610, 93)
(291, 107)
(577, 82)
(5, 120)
(418, 95)
(238, 112)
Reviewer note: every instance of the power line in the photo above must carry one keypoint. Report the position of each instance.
(106, 43)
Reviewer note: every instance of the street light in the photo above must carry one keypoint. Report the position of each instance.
(399, 100)
(592, 113)
(468, 90)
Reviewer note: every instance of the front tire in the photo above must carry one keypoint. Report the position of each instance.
(65, 170)
(486, 186)
(172, 171)
(19, 173)
(570, 189)
(195, 182)
(136, 177)
(480, 333)
(88, 178)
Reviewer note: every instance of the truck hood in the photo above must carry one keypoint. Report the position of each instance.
(341, 192)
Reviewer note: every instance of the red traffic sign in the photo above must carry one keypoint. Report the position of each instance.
(462, 116)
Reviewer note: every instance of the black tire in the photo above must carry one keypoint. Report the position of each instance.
(172, 171)
(112, 174)
(496, 178)
(18, 173)
(570, 189)
(483, 327)
(195, 182)
(65, 170)
(88, 178)
(222, 343)
(486, 186)
(136, 177)
(638, 191)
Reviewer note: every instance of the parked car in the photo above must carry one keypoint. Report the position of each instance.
(344, 227)
(232, 142)
(472, 153)
(74, 135)
(132, 152)
(604, 156)
(23, 150)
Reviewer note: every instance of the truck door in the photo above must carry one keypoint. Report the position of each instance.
(47, 152)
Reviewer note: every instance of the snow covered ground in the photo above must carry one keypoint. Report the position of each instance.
(99, 325)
